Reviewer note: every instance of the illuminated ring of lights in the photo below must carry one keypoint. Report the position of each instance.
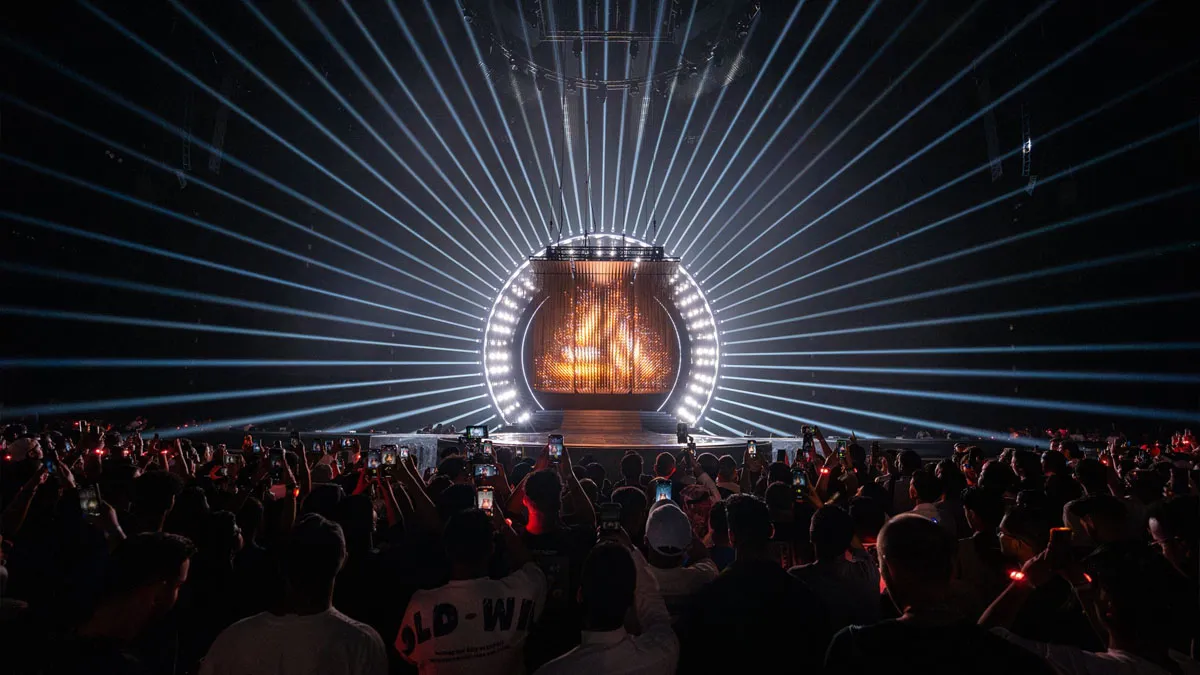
(501, 347)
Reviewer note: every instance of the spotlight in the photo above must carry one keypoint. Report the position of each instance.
(539, 81)
(513, 64)
(577, 47)
(571, 86)
(633, 50)
(469, 16)
(635, 90)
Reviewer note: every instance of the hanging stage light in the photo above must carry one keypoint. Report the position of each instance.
(577, 48)
(635, 90)
(633, 49)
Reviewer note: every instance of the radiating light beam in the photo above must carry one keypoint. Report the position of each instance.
(417, 143)
(637, 146)
(1004, 349)
(263, 418)
(778, 127)
(836, 139)
(803, 420)
(617, 184)
(451, 420)
(166, 291)
(87, 317)
(763, 111)
(569, 141)
(743, 420)
(453, 60)
(218, 363)
(1165, 133)
(987, 316)
(228, 395)
(604, 124)
(120, 196)
(975, 285)
(312, 120)
(929, 146)
(1063, 375)
(231, 159)
(143, 248)
(915, 421)
(441, 91)
(587, 127)
(361, 424)
(1165, 415)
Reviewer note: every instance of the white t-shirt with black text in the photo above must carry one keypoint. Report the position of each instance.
(473, 625)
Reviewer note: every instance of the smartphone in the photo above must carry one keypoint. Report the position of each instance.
(485, 470)
(276, 460)
(89, 500)
(50, 466)
(662, 491)
(256, 447)
(374, 459)
(341, 464)
(519, 453)
(555, 447)
(476, 432)
(1058, 551)
(841, 448)
(487, 449)
(405, 452)
(799, 479)
(318, 447)
(752, 448)
(346, 443)
(389, 454)
(691, 446)
(610, 517)
(485, 497)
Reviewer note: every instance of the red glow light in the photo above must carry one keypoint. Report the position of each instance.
(1016, 575)
(824, 470)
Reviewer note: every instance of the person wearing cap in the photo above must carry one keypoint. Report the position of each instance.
(670, 542)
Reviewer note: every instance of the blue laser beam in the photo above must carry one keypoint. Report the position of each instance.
(637, 146)
(451, 420)
(617, 185)
(778, 128)
(75, 363)
(312, 120)
(263, 418)
(752, 423)
(604, 124)
(223, 231)
(988, 316)
(1161, 414)
(987, 283)
(229, 158)
(915, 421)
(367, 424)
(958, 127)
(453, 60)
(441, 92)
(1058, 375)
(229, 395)
(143, 248)
(165, 291)
(762, 113)
(87, 317)
(1116, 152)
(997, 349)
(819, 423)
(567, 137)
(324, 82)
(587, 127)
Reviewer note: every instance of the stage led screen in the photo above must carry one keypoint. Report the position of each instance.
(603, 328)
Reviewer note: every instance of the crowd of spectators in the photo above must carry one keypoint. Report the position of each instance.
(128, 555)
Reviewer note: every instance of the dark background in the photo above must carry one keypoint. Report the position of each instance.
(1157, 40)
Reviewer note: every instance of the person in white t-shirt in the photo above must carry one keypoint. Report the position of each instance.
(310, 635)
(1131, 594)
(474, 624)
(669, 537)
(615, 577)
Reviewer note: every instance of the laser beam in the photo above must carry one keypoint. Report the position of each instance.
(1068, 375)
(407, 413)
(216, 363)
(998, 349)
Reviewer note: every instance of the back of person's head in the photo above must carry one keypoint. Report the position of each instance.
(596, 472)
(631, 467)
(984, 509)
(222, 536)
(1143, 600)
(324, 499)
(1054, 462)
(664, 465)
(718, 519)
(668, 531)
(1069, 449)
(579, 472)
(874, 491)
(1146, 486)
(727, 467)
(607, 584)
(633, 507)
(709, 464)
(311, 555)
(543, 492)
(869, 516)
(857, 454)
(520, 470)
(910, 462)
(779, 498)
(453, 499)
(953, 480)
(1062, 488)
(1104, 517)
(454, 468)
(1027, 464)
(468, 538)
(150, 563)
(749, 521)
(915, 555)
(1028, 525)
(590, 489)
(926, 487)
(779, 472)
(831, 530)
(997, 477)
(1092, 475)
(154, 492)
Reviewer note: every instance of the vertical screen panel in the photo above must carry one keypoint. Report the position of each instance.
(603, 328)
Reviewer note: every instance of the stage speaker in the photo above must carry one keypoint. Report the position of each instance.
(681, 432)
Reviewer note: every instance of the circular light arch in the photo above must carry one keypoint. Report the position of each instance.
(501, 352)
